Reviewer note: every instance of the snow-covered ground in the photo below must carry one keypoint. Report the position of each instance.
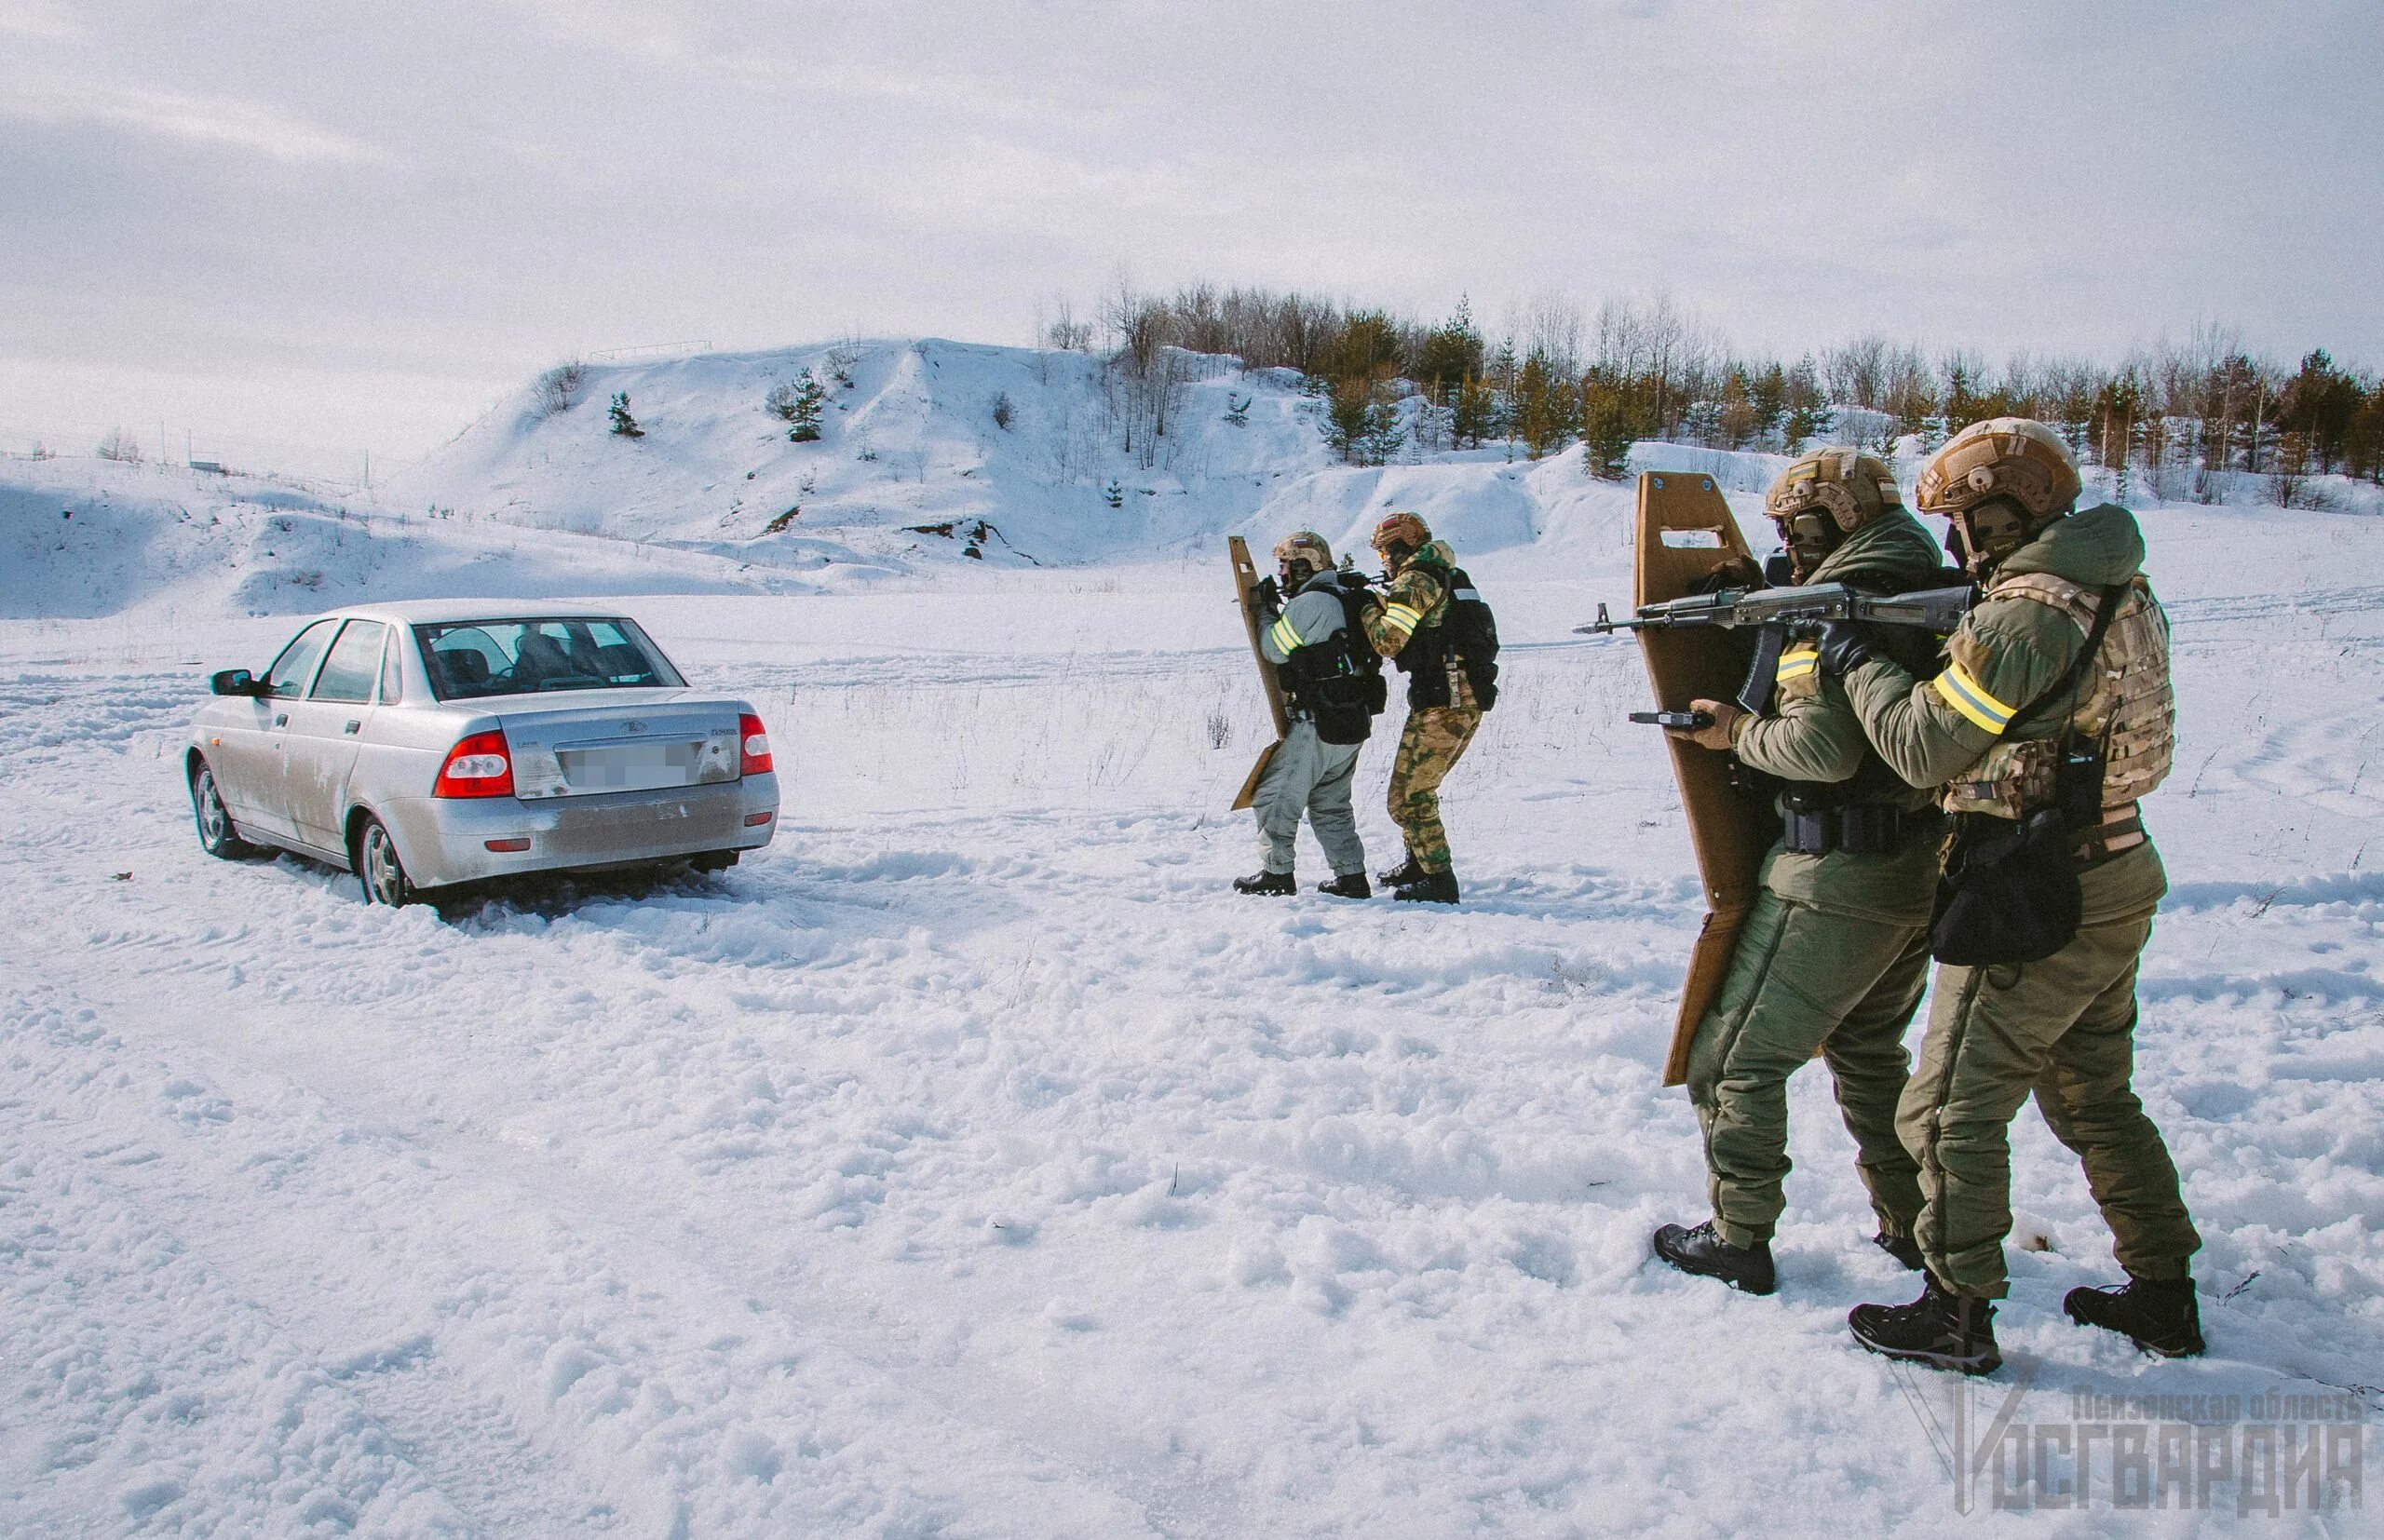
(973, 1163)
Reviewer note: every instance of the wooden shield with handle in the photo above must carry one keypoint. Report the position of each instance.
(1684, 532)
(1245, 582)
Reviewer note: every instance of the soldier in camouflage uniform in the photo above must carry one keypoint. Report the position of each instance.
(1835, 953)
(1408, 624)
(1989, 727)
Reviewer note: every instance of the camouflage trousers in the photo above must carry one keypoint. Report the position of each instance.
(2064, 1029)
(1429, 747)
(1803, 977)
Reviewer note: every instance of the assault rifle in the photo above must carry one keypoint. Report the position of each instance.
(1775, 614)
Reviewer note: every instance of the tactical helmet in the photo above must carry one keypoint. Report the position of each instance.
(2002, 457)
(1852, 488)
(1403, 529)
(1306, 547)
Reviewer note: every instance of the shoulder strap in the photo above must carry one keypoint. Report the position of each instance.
(2105, 609)
(2073, 600)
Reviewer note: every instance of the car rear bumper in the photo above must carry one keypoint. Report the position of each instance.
(445, 840)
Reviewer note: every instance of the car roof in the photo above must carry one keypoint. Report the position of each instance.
(422, 612)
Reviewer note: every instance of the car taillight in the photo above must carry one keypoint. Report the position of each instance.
(752, 746)
(479, 766)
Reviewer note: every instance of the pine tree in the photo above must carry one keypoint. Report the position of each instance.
(623, 423)
(1535, 405)
(2319, 403)
(1609, 421)
(1451, 355)
(1382, 433)
(1474, 414)
(1362, 421)
(799, 405)
(1770, 401)
(2363, 438)
(1737, 421)
(1962, 404)
(1809, 413)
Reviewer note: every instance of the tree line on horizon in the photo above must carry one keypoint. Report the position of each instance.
(2181, 420)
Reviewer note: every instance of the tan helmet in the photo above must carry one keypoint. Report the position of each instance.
(1403, 529)
(2010, 457)
(1853, 487)
(1306, 547)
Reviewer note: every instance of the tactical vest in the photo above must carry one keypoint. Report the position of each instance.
(1338, 681)
(1866, 813)
(2125, 708)
(1451, 657)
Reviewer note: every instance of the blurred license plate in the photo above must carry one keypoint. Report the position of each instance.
(631, 766)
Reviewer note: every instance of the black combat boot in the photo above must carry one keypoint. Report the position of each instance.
(1432, 887)
(1940, 1329)
(1400, 875)
(1705, 1253)
(1903, 1248)
(1349, 884)
(2160, 1317)
(1268, 884)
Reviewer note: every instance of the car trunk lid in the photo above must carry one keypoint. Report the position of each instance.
(642, 743)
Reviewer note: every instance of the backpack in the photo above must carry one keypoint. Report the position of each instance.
(1342, 685)
(1467, 635)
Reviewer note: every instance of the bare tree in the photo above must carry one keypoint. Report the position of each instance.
(1550, 324)
(1857, 372)
(558, 388)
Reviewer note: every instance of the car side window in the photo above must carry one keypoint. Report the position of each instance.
(354, 663)
(393, 671)
(296, 665)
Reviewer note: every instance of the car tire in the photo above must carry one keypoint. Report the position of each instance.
(378, 871)
(217, 834)
(714, 861)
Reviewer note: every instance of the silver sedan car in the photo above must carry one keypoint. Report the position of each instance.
(430, 743)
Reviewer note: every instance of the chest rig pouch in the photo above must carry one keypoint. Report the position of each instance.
(1856, 816)
(2010, 892)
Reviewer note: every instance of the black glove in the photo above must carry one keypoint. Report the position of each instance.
(1846, 646)
(1270, 594)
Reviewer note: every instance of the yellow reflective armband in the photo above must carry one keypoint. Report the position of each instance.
(1966, 695)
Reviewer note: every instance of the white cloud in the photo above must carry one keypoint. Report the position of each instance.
(42, 20)
(245, 126)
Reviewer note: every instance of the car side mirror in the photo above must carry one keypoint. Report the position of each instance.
(235, 681)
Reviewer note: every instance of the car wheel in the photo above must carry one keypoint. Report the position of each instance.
(377, 867)
(217, 834)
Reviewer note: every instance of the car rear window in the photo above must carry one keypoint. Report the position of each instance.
(472, 659)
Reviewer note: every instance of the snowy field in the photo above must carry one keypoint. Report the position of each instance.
(972, 1163)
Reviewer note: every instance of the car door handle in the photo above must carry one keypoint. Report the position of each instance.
(282, 719)
(354, 726)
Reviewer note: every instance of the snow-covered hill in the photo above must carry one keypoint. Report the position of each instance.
(910, 443)
(88, 537)
(916, 478)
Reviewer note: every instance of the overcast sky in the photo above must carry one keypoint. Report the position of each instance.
(357, 224)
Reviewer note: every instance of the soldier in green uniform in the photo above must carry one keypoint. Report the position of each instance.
(1835, 953)
(1451, 678)
(2011, 726)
